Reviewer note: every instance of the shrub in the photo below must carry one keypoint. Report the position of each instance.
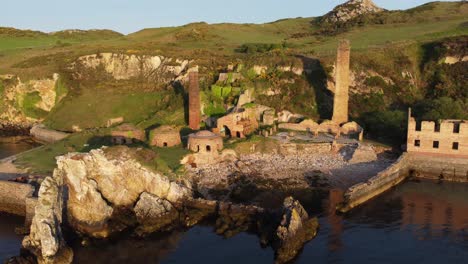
(389, 126)
(251, 48)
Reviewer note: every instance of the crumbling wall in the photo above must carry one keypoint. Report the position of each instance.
(450, 138)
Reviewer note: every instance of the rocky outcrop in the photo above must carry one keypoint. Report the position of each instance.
(350, 10)
(17, 97)
(45, 240)
(125, 67)
(294, 230)
(94, 205)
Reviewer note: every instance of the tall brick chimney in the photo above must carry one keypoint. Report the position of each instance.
(341, 99)
(194, 101)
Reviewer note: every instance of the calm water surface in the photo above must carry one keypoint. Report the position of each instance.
(417, 222)
(9, 241)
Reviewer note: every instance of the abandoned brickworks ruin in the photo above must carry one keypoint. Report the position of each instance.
(311, 148)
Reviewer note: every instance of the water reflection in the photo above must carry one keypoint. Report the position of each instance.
(10, 243)
(13, 145)
(418, 222)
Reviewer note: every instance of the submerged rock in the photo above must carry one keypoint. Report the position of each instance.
(294, 230)
(45, 240)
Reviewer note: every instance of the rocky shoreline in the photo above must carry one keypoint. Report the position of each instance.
(81, 199)
(254, 176)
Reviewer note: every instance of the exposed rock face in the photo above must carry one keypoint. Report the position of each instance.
(14, 92)
(295, 229)
(350, 10)
(125, 67)
(93, 179)
(45, 240)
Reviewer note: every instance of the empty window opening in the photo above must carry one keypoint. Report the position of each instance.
(437, 127)
(165, 144)
(456, 128)
(208, 148)
(238, 134)
(418, 126)
(455, 145)
(417, 143)
(198, 148)
(435, 144)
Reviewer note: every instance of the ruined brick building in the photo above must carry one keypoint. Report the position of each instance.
(194, 101)
(341, 98)
(240, 123)
(447, 138)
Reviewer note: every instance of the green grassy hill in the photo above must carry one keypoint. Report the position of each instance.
(390, 43)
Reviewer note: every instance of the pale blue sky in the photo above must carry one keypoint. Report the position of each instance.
(132, 15)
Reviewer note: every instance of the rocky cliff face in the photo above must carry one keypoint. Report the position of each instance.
(26, 102)
(125, 67)
(350, 10)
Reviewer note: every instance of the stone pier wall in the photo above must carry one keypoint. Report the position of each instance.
(427, 166)
(437, 167)
(385, 180)
(13, 197)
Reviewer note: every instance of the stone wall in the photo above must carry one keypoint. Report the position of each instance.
(449, 138)
(438, 167)
(416, 164)
(13, 197)
(385, 180)
(341, 99)
(43, 134)
(294, 148)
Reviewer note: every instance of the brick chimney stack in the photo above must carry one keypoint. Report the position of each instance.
(341, 100)
(194, 101)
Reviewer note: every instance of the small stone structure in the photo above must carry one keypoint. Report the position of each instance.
(205, 142)
(448, 138)
(127, 134)
(194, 101)
(41, 133)
(165, 136)
(240, 123)
(341, 99)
